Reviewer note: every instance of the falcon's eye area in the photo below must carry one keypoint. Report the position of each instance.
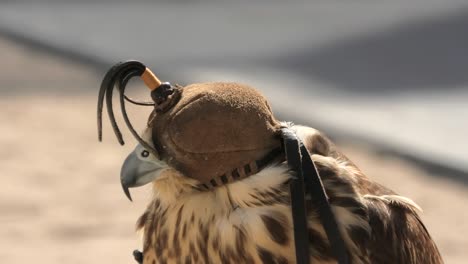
(145, 153)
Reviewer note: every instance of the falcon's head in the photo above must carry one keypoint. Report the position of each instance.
(202, 135)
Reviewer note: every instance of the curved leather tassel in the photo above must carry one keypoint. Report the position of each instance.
(120, 74)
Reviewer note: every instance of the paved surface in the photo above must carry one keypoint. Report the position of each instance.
(393, 74)
(61, 200)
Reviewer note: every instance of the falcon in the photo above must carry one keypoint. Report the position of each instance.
(221, 184)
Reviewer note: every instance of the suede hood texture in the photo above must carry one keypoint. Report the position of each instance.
(214, 128)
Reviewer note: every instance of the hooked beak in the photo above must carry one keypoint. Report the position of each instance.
(138, 170)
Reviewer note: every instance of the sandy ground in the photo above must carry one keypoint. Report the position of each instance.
(61, 201)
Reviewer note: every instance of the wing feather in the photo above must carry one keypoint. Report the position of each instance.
(398, 234)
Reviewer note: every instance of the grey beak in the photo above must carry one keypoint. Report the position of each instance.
(128, 173)
(136, 172)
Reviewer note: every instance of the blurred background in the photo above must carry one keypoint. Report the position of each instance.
(388, 81)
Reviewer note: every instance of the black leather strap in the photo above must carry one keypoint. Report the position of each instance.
(299, 160)
(138, 255)
(327, 217)
(299, 214)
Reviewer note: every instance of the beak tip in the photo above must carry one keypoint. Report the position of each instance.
(127, 192)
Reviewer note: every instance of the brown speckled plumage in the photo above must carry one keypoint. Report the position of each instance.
(249, 221)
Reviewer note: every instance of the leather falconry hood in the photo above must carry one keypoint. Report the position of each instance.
(215, 132)
(220, 132)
